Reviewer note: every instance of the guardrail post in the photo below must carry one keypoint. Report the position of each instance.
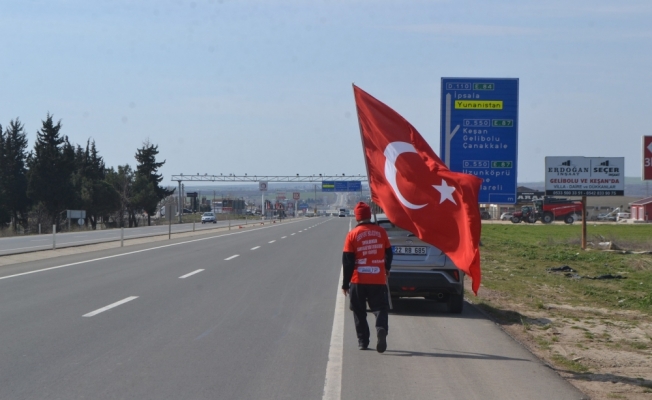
(122, 236)
(39, 229)
(54, 237)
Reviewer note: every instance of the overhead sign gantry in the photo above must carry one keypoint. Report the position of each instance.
(349, 182)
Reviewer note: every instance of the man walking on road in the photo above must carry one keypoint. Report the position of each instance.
(366, 260)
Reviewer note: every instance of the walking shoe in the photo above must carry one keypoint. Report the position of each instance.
(363, 346)
(381, 345)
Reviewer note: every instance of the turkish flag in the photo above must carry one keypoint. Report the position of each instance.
(415, 188)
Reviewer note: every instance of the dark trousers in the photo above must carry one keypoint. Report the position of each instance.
(376, 296)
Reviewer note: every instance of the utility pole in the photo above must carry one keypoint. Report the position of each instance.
(179, 206)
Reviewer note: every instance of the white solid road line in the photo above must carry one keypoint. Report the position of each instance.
(232, 257)
(333, 380)
(110, 306)
(271, 241)
(191, 274)
(254, 248)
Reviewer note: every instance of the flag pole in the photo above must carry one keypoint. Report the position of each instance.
(371, 195)
(363, 152)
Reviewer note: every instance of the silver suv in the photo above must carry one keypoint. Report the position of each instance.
(422, 270)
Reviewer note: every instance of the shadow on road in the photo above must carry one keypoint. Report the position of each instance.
(591, 377)
(419, 307)
(460, 355)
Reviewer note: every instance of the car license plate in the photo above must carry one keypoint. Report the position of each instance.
(411, 250)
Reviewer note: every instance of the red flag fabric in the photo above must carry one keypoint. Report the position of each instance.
(415, 188)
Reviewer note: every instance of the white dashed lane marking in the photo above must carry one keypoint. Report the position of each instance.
(254, 248)
(232, 257)
(110, 306)
(191, 274)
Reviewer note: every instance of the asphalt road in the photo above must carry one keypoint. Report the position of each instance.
(242, 315)
(23, 244)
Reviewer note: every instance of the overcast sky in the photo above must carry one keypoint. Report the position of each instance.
(264, 87)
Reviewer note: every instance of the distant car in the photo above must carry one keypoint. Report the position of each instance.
(623, 216)
(506, 216)
(208, 217)
(422, 270)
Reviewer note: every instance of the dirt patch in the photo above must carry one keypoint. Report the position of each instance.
(606, 354)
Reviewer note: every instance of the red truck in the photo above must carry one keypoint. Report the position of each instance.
(548, 210)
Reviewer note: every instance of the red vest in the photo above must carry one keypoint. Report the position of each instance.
(368, 242)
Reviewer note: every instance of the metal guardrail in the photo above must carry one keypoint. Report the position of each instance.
(57, 242)
(266, 178)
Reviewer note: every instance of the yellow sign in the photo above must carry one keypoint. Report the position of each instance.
(478, 104)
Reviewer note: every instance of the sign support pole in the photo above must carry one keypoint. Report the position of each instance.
(583, 222)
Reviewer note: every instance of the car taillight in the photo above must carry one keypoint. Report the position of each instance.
(456, 275)
(408, 288)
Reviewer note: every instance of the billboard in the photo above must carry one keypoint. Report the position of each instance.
(529, 197)
(479, 133)
(585, 176)
(647, 158)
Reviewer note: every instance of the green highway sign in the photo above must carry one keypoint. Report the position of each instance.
(483, 86)
(502, 123)
(501, 164)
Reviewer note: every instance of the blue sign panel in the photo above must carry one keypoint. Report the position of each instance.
(479, 133)
(341, 186)
(354, 186)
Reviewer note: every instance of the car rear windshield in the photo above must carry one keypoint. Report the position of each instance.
(393, 230)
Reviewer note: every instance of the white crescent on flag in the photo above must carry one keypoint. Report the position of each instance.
(392, 151)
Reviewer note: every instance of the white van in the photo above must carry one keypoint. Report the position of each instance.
(343, 212)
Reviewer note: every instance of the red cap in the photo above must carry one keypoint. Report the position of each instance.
(362, 211)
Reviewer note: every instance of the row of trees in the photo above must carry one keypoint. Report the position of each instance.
(38, 186)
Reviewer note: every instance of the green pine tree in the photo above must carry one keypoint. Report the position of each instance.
(93, 194)
(14, 175)
(51, 165)
(5, 216)
(148, 193)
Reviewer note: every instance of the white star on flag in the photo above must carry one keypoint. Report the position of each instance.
(445, 191)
